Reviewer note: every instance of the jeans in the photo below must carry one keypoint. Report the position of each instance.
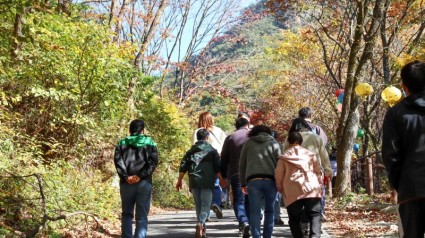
(323, 201)
(261, 193)
(202, 199)
(217, 193)
(313, 209)
(412, 215)
(277, 206)
(238, 199)
(138, 195)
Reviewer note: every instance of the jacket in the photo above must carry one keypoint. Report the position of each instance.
(298, 175)
(231, 152)
(314, 143)
(258, 158)
(136, 155)
(202, 163)
(403, 147)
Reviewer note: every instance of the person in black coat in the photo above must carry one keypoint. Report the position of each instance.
(403, 149)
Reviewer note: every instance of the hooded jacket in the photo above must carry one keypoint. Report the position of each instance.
(136, 155)
(298, 175)
(314, 143)
(258, 158)
(202, 163)
(403, 147)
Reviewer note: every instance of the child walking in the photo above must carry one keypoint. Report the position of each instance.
(299, 178)
(202, 163)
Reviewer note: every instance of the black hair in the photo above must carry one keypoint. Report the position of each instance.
(259, 128)
(137, 126)
(241, 122)
(299, 124)
(295, 138)
(305, 112)
(275, 135)
(413, 76)
(202, 134)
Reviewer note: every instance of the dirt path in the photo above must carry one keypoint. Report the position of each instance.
(181, 224)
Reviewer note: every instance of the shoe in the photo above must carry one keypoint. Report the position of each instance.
(246, 231)
(208, 219)
(198, 230)
(278, 222)
(204, 232)
(217, 210)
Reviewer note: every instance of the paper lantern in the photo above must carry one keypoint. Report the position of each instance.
(391, 95)
(356, 148)
(341, 97)
(338, 92)
(363, 89)
(360, 133)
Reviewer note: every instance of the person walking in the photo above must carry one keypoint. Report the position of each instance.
(202, 163)
(306, 114)
(256, 173)
(135, 159)
(403, 149)
(216, 139)
(230, 155)
(299, 178)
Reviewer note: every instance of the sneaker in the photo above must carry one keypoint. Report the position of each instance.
(246, 231)
(204, 232)
(278, 222)
(208, 219)
(217, 210)
(198, 230)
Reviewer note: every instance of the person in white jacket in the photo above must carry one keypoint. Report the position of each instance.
(216, 139)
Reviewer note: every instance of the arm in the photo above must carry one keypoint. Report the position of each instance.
(119, 163)
(324, 159)
(152, 162)
(317, 169)
(279, 174)
(225, 158)
(242, 165)
(391, 149)
(179, 181)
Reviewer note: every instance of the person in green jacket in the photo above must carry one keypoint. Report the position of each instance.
(202, 163)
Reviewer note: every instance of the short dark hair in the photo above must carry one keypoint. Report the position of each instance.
(295, 138)
(259, 128)
(413, 76)
(299, 124)
(305, 112)
(241, 122)
(137, 126)
(202, 134)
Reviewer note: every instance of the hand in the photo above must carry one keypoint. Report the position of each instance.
(223, 183)
(244, 190)
(133, 179)
(179, 185)
(326, 180)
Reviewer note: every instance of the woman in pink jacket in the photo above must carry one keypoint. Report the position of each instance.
(299, 178)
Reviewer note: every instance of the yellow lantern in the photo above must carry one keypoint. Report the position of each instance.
(363, 89)
(391, 95)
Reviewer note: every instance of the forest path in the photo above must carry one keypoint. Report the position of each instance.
(181, 224)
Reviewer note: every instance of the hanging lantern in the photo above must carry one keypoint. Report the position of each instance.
(340, 98)
(363, 89)
(338, 92)
(360, 133)
(391, 95)
(356, 148)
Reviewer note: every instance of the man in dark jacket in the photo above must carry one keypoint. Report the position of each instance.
(136, 157)
(403, 149)
(202, 163)
(230, 154)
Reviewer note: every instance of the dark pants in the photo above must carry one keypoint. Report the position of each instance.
(412, 215)
(313, 209)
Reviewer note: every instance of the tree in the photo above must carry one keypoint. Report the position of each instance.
(349, 34)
